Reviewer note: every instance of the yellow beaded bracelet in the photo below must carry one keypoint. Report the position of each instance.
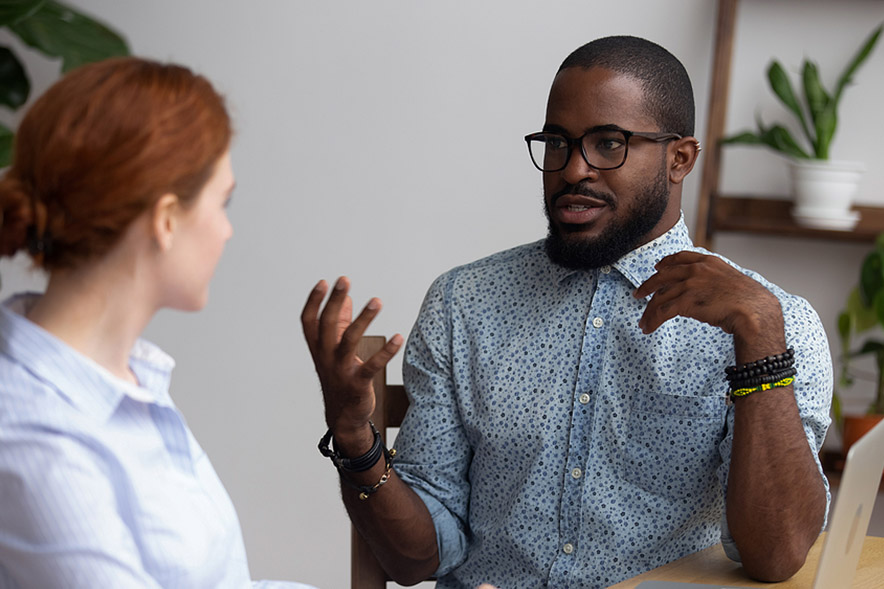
(762, 387)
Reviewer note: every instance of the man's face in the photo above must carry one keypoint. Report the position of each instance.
(595, 217)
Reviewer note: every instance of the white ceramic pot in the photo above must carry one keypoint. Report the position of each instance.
(824, 192)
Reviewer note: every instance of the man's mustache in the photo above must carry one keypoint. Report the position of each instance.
(584, 189)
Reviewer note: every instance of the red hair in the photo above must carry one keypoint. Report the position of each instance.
(99, 148)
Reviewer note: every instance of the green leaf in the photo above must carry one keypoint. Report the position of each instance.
(871, 277)
(817, 100)
(825, 126)
(6, 140)
(814, 92)
(782, 87)
(15, 10)
(779, 138)
(878, 306)
(858, 59)
(837, 412)
(870, 347)
(844, 325)
(744, 137)
(14, 84)
(59, 31)
(862, 317)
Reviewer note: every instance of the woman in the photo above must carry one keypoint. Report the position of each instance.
(118, 190)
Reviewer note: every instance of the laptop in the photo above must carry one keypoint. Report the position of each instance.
(848, 523)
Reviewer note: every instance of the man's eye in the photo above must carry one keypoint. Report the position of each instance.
(610, 144)
(556, 143)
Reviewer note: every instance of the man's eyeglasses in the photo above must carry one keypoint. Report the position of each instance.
(602, 148)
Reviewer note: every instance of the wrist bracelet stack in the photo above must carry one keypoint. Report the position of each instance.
(772, 372)
(361, 463)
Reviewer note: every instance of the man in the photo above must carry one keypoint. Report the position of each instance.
(570, 420)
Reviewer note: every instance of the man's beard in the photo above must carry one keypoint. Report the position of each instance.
(620, 237)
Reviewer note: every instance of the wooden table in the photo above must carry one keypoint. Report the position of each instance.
(711, 566)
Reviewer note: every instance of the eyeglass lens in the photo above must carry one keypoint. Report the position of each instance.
(603, 149)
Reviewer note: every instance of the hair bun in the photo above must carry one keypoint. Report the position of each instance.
(16, 214)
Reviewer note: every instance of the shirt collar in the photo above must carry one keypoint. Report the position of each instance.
(638, 265)
(81, 381)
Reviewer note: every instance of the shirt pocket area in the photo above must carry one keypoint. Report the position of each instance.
(671, 443)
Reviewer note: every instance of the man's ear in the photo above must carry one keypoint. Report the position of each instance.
(685, 152)
(164, 220)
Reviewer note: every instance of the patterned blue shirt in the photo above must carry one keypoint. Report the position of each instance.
(101, 482)
(554, 443)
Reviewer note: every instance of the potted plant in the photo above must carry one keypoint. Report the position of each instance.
(824, 189)
(863, 313)
(55, 30)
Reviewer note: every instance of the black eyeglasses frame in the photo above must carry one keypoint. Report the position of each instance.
(627, 135)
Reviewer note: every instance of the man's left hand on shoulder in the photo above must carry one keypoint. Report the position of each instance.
(706, 288)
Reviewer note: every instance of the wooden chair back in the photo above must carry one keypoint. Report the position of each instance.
(390, 406)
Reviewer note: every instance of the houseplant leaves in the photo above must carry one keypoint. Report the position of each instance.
(55, 30)
(15, 10)
(14, 84)
(818, 104)
(59, 31)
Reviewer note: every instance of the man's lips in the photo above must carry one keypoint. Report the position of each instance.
(573, 209)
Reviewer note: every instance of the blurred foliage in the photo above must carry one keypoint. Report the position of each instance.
(57, 31)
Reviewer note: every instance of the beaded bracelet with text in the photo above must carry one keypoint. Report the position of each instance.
(746, 391)
(754, 381)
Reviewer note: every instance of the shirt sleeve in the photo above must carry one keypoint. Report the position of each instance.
(60, 525)
(813, 395)
(433, 450)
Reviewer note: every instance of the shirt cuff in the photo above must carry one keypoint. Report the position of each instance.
(450, 537)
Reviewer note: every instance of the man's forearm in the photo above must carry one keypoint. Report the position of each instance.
(776, 500)
(394, 521)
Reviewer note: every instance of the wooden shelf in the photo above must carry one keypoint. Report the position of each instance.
(716, 212)
(772, 217)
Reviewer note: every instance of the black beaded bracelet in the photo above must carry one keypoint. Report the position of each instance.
(754, 381)
(765, 366)
(358, 464)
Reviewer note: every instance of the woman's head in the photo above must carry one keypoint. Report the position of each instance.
(99, 148)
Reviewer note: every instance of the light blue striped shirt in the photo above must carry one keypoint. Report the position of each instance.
(102, 483)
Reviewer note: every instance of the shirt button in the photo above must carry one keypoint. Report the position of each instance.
(568, 548)
(576, 473)
(598, 322)
(606, 269)
(584, 398)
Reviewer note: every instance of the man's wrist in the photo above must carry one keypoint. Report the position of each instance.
(353, 441)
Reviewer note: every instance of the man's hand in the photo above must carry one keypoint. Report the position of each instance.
(710, 290)
(395, 522)
(775, 496)
(332, 336)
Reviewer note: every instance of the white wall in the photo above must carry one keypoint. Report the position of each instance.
(383, 140)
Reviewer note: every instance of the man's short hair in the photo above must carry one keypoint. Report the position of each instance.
(669, 97)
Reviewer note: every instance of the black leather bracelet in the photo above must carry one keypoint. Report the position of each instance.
(358, 464)
(366, 491)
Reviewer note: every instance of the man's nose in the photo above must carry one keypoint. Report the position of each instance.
(577, 169)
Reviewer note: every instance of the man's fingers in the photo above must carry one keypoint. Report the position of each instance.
(382, 357)
(310, 313)
(668, 302)
(354, 332)
(330, 318)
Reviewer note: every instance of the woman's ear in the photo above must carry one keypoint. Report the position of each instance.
(685, 155)
(164, 220)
